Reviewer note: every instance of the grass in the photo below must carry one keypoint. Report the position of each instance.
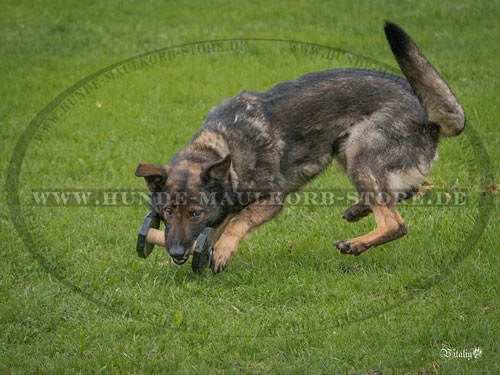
(289, 303)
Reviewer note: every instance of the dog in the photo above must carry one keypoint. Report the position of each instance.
(382, 129)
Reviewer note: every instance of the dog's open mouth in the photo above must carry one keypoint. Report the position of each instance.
(180, 261)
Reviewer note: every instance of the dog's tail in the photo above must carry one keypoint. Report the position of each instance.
(436, 96)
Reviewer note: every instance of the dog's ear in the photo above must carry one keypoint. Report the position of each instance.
(155, 175)
(217, 170)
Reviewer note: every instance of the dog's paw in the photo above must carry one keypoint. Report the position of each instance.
(219, 263)
(223, 252)
(356, 213)
(349, 247)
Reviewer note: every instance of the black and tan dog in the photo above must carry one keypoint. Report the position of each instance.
(382, 129)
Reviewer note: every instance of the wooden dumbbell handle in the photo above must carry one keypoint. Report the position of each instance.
(156, 237)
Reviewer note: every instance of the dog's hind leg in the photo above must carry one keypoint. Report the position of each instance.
(386, 159)
(390, 226)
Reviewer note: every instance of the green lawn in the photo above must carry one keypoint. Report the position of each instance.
(75, 298)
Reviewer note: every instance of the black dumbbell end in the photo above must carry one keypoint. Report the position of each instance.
(202, 253)
(143, 247)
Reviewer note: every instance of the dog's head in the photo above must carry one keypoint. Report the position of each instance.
(188, 196)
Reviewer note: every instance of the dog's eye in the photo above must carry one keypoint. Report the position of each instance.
(195, 213)
(169, 211)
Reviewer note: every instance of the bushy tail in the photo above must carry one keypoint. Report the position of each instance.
(435, 95)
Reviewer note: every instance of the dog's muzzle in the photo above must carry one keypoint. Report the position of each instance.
(202, 250)
(179, 255)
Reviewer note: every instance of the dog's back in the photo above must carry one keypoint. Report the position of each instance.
(287, 135)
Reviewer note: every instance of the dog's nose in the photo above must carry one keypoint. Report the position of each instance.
(176, 251)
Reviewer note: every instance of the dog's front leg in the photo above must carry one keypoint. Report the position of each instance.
(244, 222)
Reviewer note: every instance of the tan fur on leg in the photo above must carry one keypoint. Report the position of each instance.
(390, 226)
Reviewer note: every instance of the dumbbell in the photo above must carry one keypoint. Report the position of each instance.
(149, 235)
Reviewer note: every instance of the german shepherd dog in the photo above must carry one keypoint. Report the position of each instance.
(382, 129)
